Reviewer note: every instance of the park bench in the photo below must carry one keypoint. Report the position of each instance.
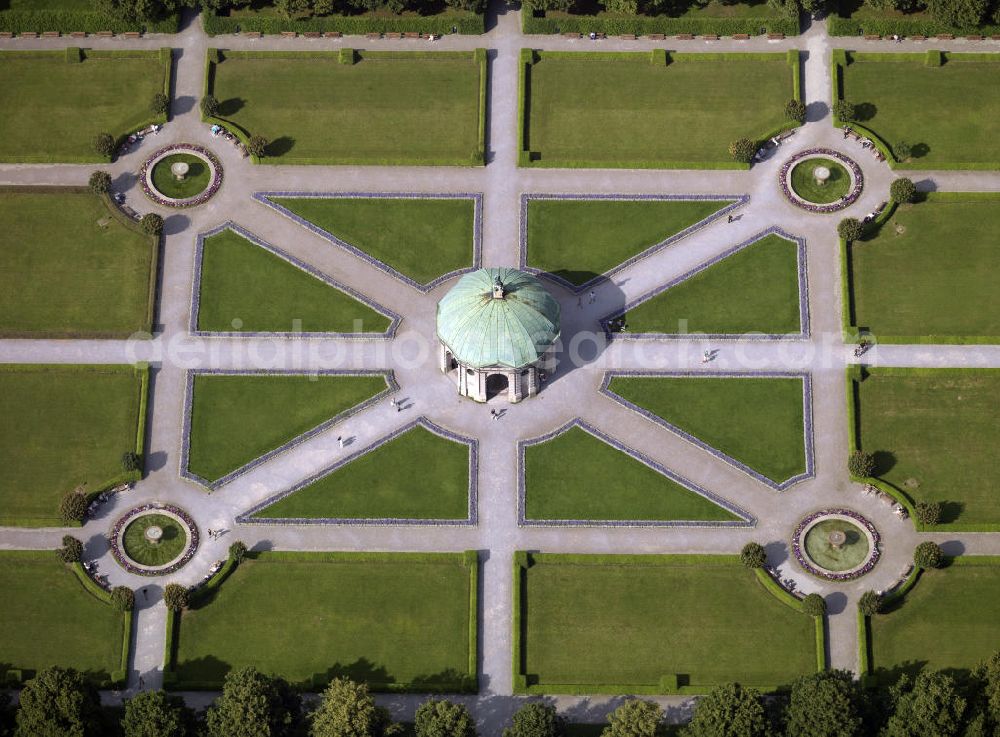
(945, 37)
(333, 34)
(289, 34)
(311, 34)
(6, 34)
(974, 38)
(656, 37)
(741, 37)
(995, 38)
(570, 34)
(784, 136)
(627, 37)
(872, 37)
(104, 34)
(252, 34)
(411, 34)
(775, 36)
(78, 34)
(374, 36)
(27, 34)
(394, 35)
(918, 38)
(51, 34)
(131, 34)
(685, 37)
(710, 37)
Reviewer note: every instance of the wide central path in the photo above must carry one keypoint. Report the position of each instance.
(575, 395)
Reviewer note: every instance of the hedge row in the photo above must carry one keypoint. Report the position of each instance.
(837, 26)
(68, 21)
(120, 676)
(465, 23)
(646, 25)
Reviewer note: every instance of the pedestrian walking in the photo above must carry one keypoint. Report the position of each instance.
(142, 683)
(392, 401)
(340, 442)
(145, 592)
(592, 296)
(706, 356)
(399, 407)
(579, 302)
(730, 219)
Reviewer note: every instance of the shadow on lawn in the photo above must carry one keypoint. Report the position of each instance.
(280, 146)
(231, 106)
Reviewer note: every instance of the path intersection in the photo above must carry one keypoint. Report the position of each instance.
(573, 394)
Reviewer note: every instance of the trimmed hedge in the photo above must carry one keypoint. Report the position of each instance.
(465, 23)
(69, 21)
(838, 26)
(642, 25)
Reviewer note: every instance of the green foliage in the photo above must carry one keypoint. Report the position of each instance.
(347, 56)
(860, 463)
(728, 710)
(440, 718)
(254, 705)
(238, 551)
(934, 58)
(159, 104)
(902, 151)
(209, 106)
(131, 461)
(826, 704)
(929, 706)
(58, 702)
(958, 13)
(463, 15)
(71, 550)
(902, 190)
(153, 224)
(753, 555)
(535, 719)
(104, 144)
(928, 555)
(257, 145)
(814, 605)
(743, 150)
(795, 110)
(74, 54)
(662, 23)
(122, 598)
(928, 513)
(155, 714)
(870, 604)
(348, 710)
(176, 597)
(635, 718)
(73, 507)
(100, 182)
(844, 111)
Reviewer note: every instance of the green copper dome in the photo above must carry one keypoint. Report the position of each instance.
(498, 317)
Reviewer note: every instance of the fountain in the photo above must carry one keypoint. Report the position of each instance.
(154, 533)
(822, 174)
(179, 169)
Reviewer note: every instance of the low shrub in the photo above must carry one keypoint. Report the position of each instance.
(209, 106)
(795, 110)
(153, 224)
(74, 54)
(159, 104)
(658, 57)
(753, 555)
(870, 604)
(349, 25)
(934, 58)
(902, 151)
(851, 229)
(71, 550)
(814, 605)
(73, 506)
(122, 598)
(928, 513)
(176, 597)
(347, 56)
(257, 145)
(100, 182)
(743, 150)
(104, 144)
(238, 551)
(844, 111)
(928, 555)
(646, 24)
(902, 190)
(130, 459)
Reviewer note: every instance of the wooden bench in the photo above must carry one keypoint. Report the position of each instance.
(684, 37)
(27, 34)
(657, 37)
(374, 36)
(394, 35)
(741, 37)
(312, 34)
(411, 34)
(569, 34)
(6, 34)
(918, 38)
(710, 37)
(51, 34)
(995, 38)
(104, 34)
(775, 36)
(78, 34)
(252, 34)
(974, 38)
(333, 34)
(289, 34)
(627, 37)
(872, 37)
(945, 37)
(131, 34)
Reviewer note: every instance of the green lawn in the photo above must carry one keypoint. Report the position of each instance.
(418, 475)
(388, 108)
(934, 433)
(420, 238)
(626, 621)
(580, 239)
(728, 298)
(68, 269)
(52, 110)
(63, 426)
(262, 292)
(931, 271)
(383, 618)
(806, 186)
(756, 421)
(589, 109)
(894, 99)
(146, 552)
(195, 181)
(580, 477)
(237, 418)
(948, 620)
(47, 618)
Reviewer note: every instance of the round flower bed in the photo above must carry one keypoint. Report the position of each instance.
(136, 553)
(203, 179)
(855, 553)
(841, 190)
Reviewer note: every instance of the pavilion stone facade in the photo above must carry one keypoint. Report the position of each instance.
(496, 327)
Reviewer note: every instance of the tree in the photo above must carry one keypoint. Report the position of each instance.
(860, 463)
(155, 714)
(753, 555)
(176, 597)
(959, 14)
(622, 7)
(928, 555)
(153, 224)
(71, 550)
(844, 111)
(795, 110)
(209, 106)
(100, 182)
(814, 6)
(902, 150)
(870, 604)
(130, 459)
(58, 702)
(535, 719)
(104, 144)
(440, 718)
(123, 598)
(254, 705)
(742, 150)
(159, 104)
(238, 550)
(73, 506)
(256, 145)
(348, 710)
(986, 677)
(902, 190)
(928, 513)
(825, 704)
(728, 710)
(635, 718)
(814, 605)
(930, 706)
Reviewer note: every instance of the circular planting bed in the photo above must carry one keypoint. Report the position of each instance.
(836, 544)
(821, 180)
(182, 175)
(154, 539)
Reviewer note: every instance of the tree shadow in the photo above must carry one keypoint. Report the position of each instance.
(175, 224)
(208, 669)
(919, 150)
(890, 676)
(951, 511)
(182, 104)
(884, 462)
(279, 146)
(361, 670)
(816, 111)
(124, 181)
(777, 553)
(864, 111)
(836, 602)
(231, 106)
(953, 548)
(156, 461)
